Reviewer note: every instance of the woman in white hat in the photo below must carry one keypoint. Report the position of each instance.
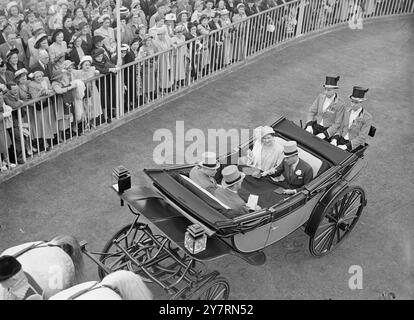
(181, 56)
(267, 152)
(162, 43)
(107, 32)
(203, 173)
(149, 68)
(227, 29)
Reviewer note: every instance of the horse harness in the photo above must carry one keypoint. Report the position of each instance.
(96, 285)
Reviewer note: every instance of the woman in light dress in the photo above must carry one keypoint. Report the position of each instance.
(149, 68)
(180, 56)
(267, 153)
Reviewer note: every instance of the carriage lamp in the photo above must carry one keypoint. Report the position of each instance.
(195, 239)
(121, 179)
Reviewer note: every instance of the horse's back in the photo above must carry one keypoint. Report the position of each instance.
(50, 267)
(100, 293)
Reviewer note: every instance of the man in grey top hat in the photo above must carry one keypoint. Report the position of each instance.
(203, 173)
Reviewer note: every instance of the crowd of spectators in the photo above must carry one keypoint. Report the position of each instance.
(52, 46)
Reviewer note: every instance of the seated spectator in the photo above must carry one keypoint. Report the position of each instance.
(232, 182)
(43, 64)
(356, 123)
(68, 29)
(296, 172)
(58, 50)
(12, 43)
(13, 63)
(203, 173)
(266, 152)
(107, 33)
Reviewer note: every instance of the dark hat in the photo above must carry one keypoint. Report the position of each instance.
(9, 266)
(202, 17)
(12, 52)
(82, 25)
(331, 82)
(55, 34)
(358, 94)
(97, 39)
(97, 52)
(39, 39)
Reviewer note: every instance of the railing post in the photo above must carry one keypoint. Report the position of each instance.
(300, 18)
(119, 94)
(22, 141)
(246, 39)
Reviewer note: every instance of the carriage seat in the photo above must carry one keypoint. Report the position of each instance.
(310, 159)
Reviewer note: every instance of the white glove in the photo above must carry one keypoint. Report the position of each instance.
(342, 146)
(321, 135)
(309, 129)
(268, 172)
(333, 142)
(289, 191)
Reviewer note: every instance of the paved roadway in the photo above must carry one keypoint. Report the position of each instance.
(70, 193)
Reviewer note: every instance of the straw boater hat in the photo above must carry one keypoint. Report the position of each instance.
(124, 47)
(358, 94)
(331, 82)
(209, 161)
(85, 59)
(67, 64)
(9, 266)
(170, 17)
(123, 11)
(224, 12)
(231, 176)
(240, 5)
(181, 13)
(290, 148)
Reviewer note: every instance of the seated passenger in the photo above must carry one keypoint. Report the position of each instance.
(356, 123)
(266, 152)
(203, 173)
(325, 114)
(232, 181)
(296, 172)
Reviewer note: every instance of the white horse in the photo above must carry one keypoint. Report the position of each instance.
(118, 285)
(54, 265)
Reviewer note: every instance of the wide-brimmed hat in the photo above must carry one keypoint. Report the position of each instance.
(124, 47)
(170, 17)
(9, 266)
(11, 5)
(331, 82)
(240, 5)
(20, 72)
(97, 52)
(123, 11)
(55, 34)
(38, 26)
(97, 38)
(209, 161)
(85, 59)
(181, 13)
(12, 52)
(202, 17)
(358, 94)
(262, 131)
(290, 148)
(231, 176)
(224, 11)
(67, 64)
(39, 39)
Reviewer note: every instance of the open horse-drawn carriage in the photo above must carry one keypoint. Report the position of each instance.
(155, 245)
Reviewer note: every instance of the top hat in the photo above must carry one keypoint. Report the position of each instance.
(231, 176)
(209, 161)
(290, 148)
(358, 94)
(9, 266)
(331, 82)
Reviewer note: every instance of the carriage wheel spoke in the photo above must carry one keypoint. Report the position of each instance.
(324, 232)
(326, 235)
(350, 218)
(351, 210)
(331, 239)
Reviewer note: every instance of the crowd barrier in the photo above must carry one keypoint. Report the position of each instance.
(42, 124)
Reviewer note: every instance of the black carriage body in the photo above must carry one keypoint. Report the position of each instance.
(171, 207)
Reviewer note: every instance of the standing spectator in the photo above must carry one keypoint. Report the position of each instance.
(85, 35)
(13, 63)
(68, 29)
(127, 33)
(56, 20)
(58, 50)
(217, 44)
(14, 14)
(227, 31)
(31, 50)
(5, 139)
(41, 43)
(25, 27)
(159, 25)
(238, 39)
(198, 9)
(107, 33)
(136, 23)
(161, 11)
(43, 64)
(170, 24)
(12, 43)
(98, 44)
(209, 11)
(43, 17)
(183, 5)
(78, 18)
(77, 53)
(43, 119)
(149, 69)
(180, 57)
(162, 43)
(182, 19)
(5, 75)
(231, 6)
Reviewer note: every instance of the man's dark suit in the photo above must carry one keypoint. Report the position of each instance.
(47, 71)
(302, 174)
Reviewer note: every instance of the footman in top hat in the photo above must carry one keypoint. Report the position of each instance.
(203, 173)
(325, 114)
(355, 124)
(18, 284)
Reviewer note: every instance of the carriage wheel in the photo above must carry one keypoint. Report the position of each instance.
(135, 240)
(339, 218)
(216, 289)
